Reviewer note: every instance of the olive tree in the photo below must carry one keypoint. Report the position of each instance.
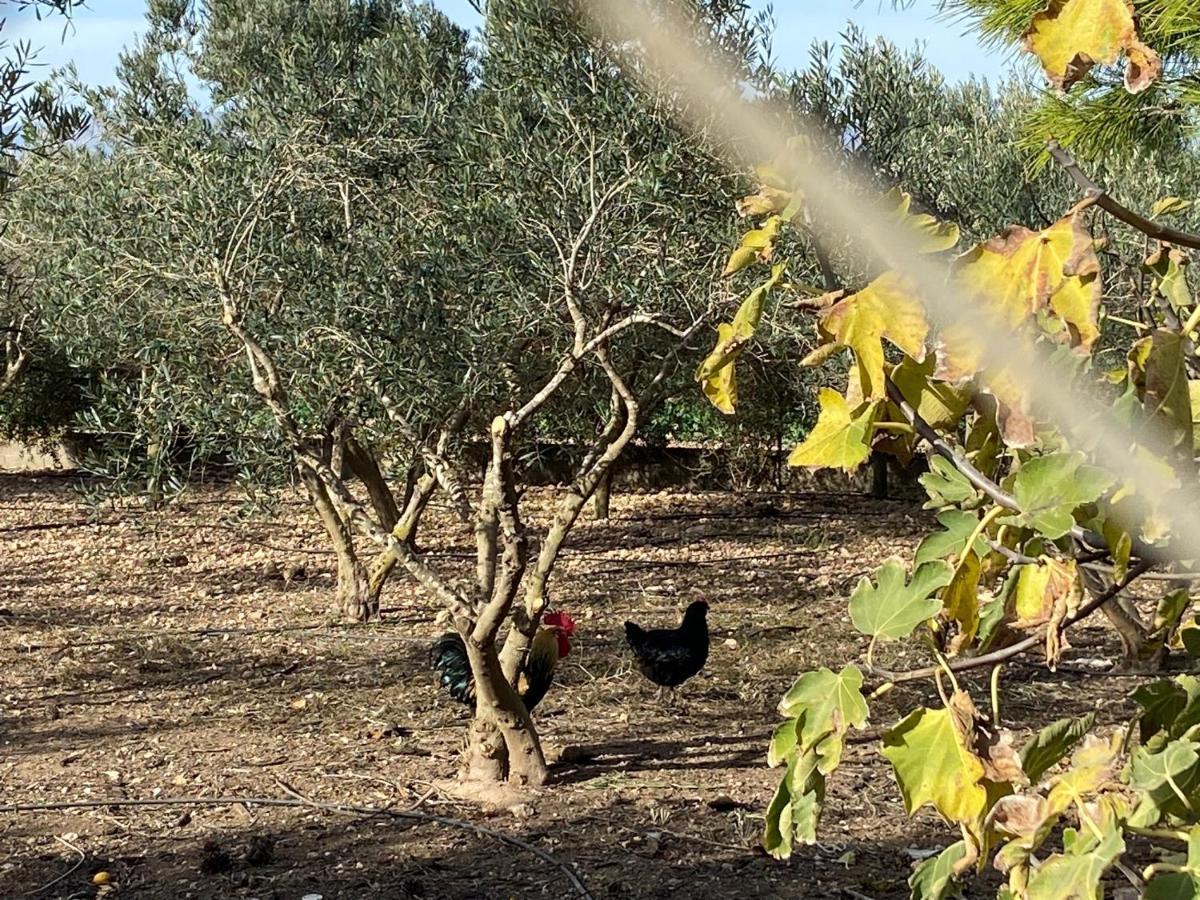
(380, 245)
(33, 119)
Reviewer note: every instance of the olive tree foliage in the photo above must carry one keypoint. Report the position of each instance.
(33, 120)
(305, 197)
(384, 243)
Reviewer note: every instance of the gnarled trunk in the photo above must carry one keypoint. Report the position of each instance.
(353, 595)
(600, 501)
(502, 744)
(879, 475)
(1136, 651)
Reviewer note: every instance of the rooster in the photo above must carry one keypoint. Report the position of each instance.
(551, 643)
(670, 656)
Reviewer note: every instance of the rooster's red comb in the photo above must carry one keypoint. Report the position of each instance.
(560, 620)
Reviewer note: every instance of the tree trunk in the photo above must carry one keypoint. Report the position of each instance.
(154, 454)
(879, 475)
(603, 494)
(405, 529)
(352, 598)
(353, 595)
(502, 744)
(1136, 653)
(365, 467)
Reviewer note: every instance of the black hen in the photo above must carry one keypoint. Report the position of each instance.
(670, 656)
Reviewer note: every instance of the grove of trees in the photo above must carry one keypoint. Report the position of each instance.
(345, 245)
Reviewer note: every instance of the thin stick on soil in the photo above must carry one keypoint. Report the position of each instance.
(299, 801)
(71, 871)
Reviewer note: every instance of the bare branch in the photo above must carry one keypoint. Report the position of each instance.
(501, 529)
(927, 433)
(269, 386)
(447, 474)
(571, 361)
(14, 367)
(571, 262)
(1100, 197)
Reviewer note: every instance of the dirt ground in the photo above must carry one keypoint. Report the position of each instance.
(157, 655)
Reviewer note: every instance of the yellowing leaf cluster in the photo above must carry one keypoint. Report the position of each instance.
(1071, 36)
(716, 374)
(1018, 275)
(886, 309)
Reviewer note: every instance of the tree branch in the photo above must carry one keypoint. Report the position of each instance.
(1034, 640)
(571, 361)
(447, 473)
(269, 386)
(1097, 194)
(927, 433)
(16, 356)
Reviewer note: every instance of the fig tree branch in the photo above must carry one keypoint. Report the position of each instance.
(992, 490)
(1022, 646)
(926, 432)
(1100, 197)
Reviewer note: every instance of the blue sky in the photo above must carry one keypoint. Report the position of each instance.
(101, 30)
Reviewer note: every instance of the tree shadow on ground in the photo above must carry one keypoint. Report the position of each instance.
(286, 854)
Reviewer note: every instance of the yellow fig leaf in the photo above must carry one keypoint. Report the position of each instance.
(841, 439)
(1043, 588)
(938, 403)
(932, 234)
(1169, 267)
(822, 353)
(768, 201)
(771, 177)
(756, 244)
(933, 764)
(1194, 396)
(1071, 36)
(961, 600)
(716, 374)
(886, 309)
(1094, 764)
(740, 259)
(1158, 372)
(720, 386)
(1017, 276)
(1013, 408)
(1133, 509)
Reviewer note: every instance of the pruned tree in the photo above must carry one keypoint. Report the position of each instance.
(385, 246)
